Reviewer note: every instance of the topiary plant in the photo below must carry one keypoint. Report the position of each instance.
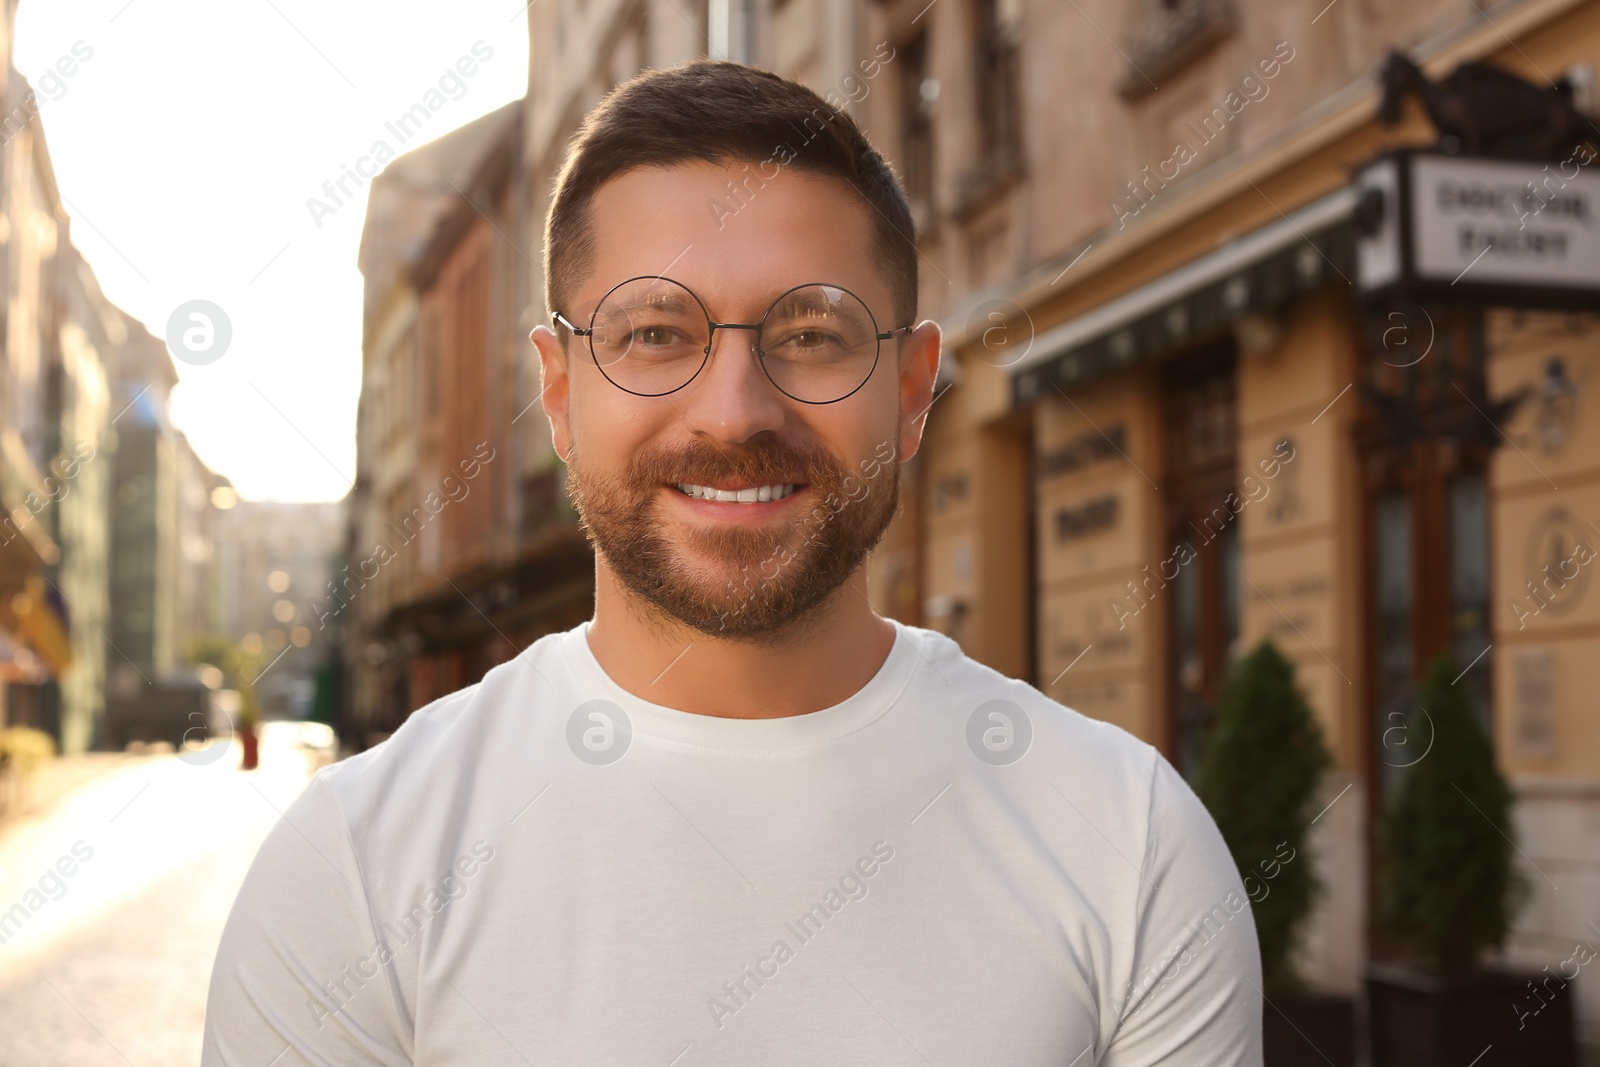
(1258, 777)
(1447, 885)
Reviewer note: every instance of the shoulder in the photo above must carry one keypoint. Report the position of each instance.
(1084, 749)
(443, 754)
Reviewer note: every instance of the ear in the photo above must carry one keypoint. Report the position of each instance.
(554, 386)
(919, 368)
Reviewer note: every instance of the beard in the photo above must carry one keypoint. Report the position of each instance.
(738, 582)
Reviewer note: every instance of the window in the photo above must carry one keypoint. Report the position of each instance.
(995, 72)
(995, 68)
(1425, 444)
(917, 93)
(1201, 429)
(1169, 35)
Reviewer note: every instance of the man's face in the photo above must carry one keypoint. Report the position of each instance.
(731, 569)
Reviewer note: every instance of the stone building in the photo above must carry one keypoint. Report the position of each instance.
(1191, 412)
(1147, 232)
(460, 548)
(57, 333)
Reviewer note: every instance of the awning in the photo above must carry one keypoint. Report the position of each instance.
(26, 547)
(1263, 269)
(40, 618)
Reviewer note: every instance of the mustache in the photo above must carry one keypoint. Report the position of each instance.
(762, 461)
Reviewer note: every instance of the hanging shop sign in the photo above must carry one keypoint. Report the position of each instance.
(1480, 230)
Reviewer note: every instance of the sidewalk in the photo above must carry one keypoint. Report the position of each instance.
(54, 779)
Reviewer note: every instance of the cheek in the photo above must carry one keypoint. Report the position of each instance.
(861, 434)
(609, 437)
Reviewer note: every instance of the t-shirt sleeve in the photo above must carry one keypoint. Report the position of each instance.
(301, 977)
(1194, 992)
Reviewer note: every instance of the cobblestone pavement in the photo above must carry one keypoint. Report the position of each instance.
(109, 964)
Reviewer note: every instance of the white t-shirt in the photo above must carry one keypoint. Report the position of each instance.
(946, 868)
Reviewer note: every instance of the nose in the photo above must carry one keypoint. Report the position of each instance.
(731, 398)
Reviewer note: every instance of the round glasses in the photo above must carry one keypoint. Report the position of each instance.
(651, 335)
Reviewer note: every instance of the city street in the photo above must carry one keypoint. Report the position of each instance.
(112, 967)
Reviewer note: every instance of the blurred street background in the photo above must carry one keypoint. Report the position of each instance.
(1267, 325)
(118, 963)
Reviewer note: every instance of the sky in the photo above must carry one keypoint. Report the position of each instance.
(189, 138)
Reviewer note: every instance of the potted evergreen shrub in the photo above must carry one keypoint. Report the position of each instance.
(1259, 778)
(1448, 890)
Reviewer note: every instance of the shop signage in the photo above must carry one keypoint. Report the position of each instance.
(1087, 518)
(1508, 232)
(1085, 450)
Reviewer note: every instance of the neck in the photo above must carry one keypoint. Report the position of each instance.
(806, 668)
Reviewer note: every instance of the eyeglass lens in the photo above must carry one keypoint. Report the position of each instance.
(817, 343)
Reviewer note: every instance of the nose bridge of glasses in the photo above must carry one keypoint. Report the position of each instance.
(752, 328)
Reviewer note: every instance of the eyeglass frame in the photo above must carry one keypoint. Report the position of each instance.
(713, 326)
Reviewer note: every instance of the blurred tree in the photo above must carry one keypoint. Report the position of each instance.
(240, 668)
(1259, 774)
(1447, 885)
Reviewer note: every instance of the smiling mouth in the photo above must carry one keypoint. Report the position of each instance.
(760, 494)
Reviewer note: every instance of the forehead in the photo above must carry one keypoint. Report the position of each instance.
(737, 246)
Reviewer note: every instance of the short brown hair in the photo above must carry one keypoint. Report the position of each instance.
(721, 112)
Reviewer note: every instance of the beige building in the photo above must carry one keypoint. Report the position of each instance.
(1158, 295)
(1159, 278)
(460, 549)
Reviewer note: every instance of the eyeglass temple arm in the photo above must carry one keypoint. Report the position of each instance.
(887, 335)
(561, 320)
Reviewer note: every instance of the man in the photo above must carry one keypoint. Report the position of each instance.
(739, 817)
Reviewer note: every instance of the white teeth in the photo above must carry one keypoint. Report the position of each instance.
(737, 496)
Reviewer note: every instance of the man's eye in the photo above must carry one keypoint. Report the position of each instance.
(654, 335)
(810, 339)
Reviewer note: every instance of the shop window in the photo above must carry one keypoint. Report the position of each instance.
(1425, 437)
(1200, 418)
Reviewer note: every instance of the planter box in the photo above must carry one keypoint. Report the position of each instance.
(1309, 1031)
(1420, 1020)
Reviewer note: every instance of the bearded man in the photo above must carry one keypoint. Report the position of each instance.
(738, 816)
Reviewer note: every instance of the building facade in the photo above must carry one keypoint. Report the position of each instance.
(88, 331)
(1171, 419)
(461, 549)
(1182, 421)
(107, 569)
(57, 334)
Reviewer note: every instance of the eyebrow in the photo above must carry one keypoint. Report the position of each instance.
(668, 301)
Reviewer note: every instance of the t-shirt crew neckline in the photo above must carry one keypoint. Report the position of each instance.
(746, 735)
